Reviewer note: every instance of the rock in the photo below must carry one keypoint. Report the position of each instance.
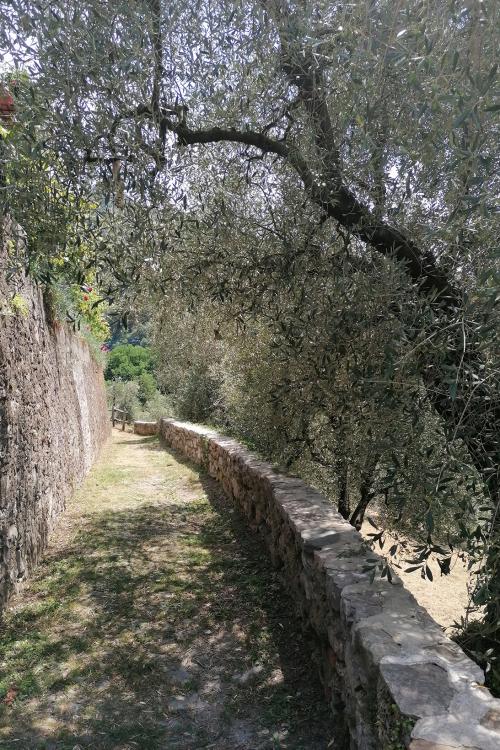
(145, 428)
(418, 689)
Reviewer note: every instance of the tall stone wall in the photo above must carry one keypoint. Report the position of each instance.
(392, 678)
(53, 421)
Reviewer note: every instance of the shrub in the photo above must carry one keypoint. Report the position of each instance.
(124, 395)
(128, 362)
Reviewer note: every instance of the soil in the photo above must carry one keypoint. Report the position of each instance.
(445, 597)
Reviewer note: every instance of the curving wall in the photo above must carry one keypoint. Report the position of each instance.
(53, 421)
(392, 678)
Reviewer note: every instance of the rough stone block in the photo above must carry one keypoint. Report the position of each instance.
(145, 428)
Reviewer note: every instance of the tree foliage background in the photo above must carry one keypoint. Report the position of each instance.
(306, 196)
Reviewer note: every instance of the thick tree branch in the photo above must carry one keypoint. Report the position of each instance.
(332, 195)
(339, 202)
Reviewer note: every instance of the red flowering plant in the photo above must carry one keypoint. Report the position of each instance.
(82, 306)
(90, 308)
(7, 105)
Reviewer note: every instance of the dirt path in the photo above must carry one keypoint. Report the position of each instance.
(155, 621)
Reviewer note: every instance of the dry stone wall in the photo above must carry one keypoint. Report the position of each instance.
(53, 420)
(145, 428)
(392, 678)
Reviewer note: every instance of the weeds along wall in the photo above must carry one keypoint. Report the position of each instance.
(53, 421)
(392, 678)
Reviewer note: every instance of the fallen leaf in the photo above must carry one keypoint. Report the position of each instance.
(10, 696)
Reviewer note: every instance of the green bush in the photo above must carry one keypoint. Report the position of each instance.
(128, 362)
(156, 407)
(197, 397)
(147, 387)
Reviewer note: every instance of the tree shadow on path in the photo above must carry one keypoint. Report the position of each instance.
(160, 627)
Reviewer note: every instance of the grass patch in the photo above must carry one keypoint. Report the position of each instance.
(124, 594)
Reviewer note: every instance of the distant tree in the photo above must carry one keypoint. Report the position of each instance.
(129, 362)
(124, 396)
(147, 386)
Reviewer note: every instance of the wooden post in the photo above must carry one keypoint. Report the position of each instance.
(124, 420)
(113, 415)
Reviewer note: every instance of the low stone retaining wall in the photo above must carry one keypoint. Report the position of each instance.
(392, 678)
(145, 428)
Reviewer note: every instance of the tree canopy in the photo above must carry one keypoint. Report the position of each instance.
(128, 362)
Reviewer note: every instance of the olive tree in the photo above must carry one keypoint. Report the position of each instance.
(382, 117)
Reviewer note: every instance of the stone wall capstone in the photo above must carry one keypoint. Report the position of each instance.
(145, 428)
(391, 676)
(53, 421)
